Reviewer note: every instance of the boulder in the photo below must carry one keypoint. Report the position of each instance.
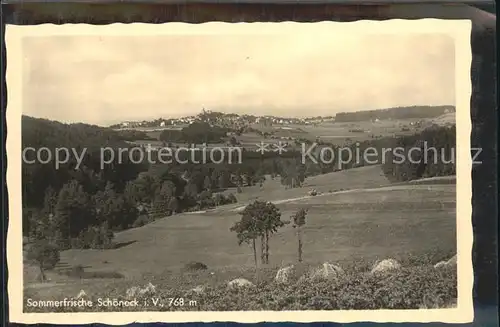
(240, 283)
(440, 264)
(385, 266)
(150, 289)
(285, 275)
(327, 271)
(132, 292)
(200, 289)
(445, 264)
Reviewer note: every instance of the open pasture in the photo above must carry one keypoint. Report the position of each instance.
(383, 223)
(338, 132)
(272, 190)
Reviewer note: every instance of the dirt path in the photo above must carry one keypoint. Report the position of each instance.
(420, 184)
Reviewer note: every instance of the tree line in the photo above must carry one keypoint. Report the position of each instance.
(198, 132)
(394, 113)
(432, 153)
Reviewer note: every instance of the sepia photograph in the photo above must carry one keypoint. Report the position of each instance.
(240, 172)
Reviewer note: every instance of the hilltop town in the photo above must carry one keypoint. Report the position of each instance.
(230, 120)
(235, 121)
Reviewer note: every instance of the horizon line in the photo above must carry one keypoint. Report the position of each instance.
(108, 124)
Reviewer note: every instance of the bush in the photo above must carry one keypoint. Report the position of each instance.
(194, 266)
(94, 238)
(231, 198)
(142, 220)
(219, 199)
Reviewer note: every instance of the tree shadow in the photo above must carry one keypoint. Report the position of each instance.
(122, 244)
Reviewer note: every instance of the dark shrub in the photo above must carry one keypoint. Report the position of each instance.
(142, 220)
(194, 266)
(231, 198)
(45, 254)
(94, 238)
(104, 274)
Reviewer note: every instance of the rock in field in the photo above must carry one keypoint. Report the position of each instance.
(150, 289)
(445, 264)
(285, 275)
(240, 283)
(385, 266)
(132, 292)
(200, 289)
(327, 271)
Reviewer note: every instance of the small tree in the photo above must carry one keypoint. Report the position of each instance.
(259, 219)
(299, 220)
(233, 141)
(45, 254)
(207, 183)
(247, 231)
(173, 205)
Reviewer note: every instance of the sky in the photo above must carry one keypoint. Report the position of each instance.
(108, 79)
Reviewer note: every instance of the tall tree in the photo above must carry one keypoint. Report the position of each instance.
(259, 219)
(247, 232)
(49, 201)
(173, 205)
(224, 180)
(163, 197)
(73, 213)
(299, 220)
(114, 209)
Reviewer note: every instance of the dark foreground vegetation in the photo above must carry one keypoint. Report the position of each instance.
(412, 287)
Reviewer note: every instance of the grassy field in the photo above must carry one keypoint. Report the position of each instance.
(358, 178)
(383, 223)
